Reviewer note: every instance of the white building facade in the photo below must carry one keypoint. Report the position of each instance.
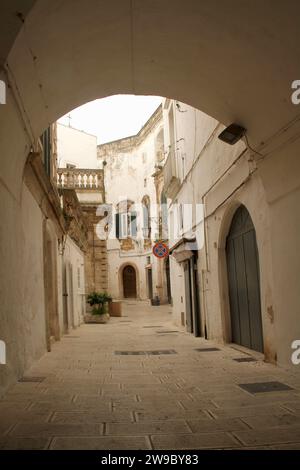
(75, 148)
(133, 195)
(221, 264)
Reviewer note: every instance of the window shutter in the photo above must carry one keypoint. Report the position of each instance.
(118, 226)
(133, 225)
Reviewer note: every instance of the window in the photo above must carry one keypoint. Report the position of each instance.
(126, 226)
(181, 216)
(146, 217)
(163, 226)
(46, 143)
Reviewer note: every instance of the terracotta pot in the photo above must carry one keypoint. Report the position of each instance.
(115, 308)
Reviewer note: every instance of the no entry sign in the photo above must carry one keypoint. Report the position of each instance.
(160, 250)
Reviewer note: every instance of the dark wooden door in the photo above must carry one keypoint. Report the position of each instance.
(195, 296)
(243, 282)
(150, 283)
(188, 297)
(169, 293)
(129, 282)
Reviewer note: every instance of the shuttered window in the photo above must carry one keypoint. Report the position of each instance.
(126, 225)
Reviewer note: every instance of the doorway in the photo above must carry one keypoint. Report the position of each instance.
(243, 282)
(129, 282)
(168, 278)
(192, 305)
(150, 283)
(65, 299)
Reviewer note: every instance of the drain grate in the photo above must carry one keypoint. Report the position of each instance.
(32, 379)
(207, 349)
(158, 353)
(125, 321)
(152, 326)
(71, 337)
(163, 332)
(245, 359)
(263, 387)
(145, 353)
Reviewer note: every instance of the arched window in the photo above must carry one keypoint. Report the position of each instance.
(146, 218)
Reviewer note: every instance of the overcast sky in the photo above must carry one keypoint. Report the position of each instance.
(114, 117)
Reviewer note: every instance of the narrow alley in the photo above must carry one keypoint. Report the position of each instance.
(138, 382)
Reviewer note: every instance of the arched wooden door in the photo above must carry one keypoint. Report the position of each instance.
(129, 282)
(243, 282)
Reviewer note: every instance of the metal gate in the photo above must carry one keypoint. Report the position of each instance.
(243, 282)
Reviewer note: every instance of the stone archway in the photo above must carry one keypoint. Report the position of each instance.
(132, 47)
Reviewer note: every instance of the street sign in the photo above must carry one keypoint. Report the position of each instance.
(160, 250)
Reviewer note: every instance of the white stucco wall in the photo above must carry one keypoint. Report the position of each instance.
(73, 259)
(206, 180)
(128, 176)
(22, 313)
(76, 147)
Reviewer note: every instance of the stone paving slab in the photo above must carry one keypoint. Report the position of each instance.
(269, 435)
(259, 422)
(225, 424)
(149, 427)
(53, 429)
(215, 440)
(24, 443)
(92, 399)
(77, 417)
(101, 443)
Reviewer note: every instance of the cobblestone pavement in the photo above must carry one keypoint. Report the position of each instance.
(89, 397)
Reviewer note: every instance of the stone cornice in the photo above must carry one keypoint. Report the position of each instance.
(135, 140)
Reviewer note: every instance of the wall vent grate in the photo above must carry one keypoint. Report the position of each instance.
(244, 359)
(145, 353)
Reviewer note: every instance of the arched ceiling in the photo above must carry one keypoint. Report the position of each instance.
(12, 15)
(233, 59)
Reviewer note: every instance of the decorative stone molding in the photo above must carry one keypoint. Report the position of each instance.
(75, 221)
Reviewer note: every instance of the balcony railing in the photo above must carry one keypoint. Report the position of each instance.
(78, 178)
(171, 180)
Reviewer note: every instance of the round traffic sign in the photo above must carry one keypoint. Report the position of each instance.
(160, 250)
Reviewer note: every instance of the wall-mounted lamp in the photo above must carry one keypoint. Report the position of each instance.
(232, 134)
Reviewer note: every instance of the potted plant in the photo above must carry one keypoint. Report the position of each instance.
(98, 301)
